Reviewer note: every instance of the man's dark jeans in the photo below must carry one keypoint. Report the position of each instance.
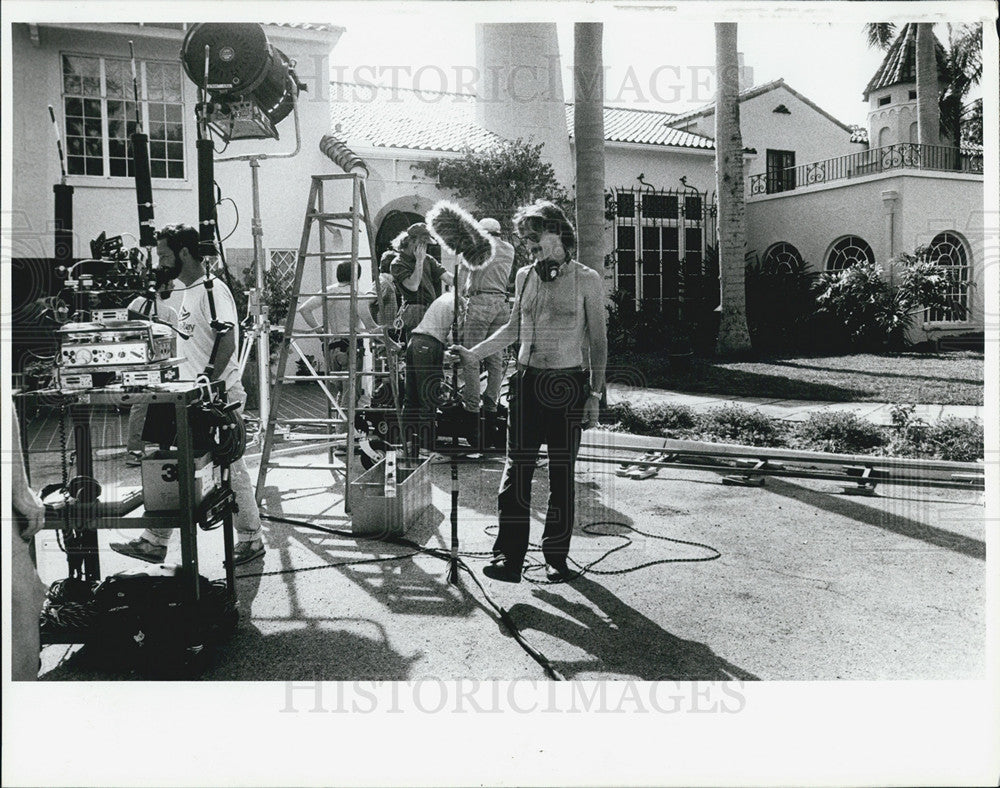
(546, 406)
(422, 390)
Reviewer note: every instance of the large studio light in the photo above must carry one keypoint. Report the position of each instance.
(251, 84)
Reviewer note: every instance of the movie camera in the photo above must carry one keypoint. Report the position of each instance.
(113, 273)
(106, 342)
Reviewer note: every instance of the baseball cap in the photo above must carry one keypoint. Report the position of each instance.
(419, 231)
(489, 225)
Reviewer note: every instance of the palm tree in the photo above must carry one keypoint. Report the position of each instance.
(733, 335)
(964, 70)
(588, 132)
(928, 114)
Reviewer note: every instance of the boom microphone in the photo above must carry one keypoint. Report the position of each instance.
(455, 228)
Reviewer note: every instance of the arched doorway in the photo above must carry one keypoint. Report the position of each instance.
(392, 225)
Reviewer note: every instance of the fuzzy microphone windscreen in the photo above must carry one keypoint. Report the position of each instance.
(459, 232)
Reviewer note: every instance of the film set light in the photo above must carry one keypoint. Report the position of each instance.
(251, 85)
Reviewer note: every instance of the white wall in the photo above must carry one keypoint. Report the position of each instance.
(922, 205)
(895, 117)
(521, 89)
(812, 135)
(660, 166)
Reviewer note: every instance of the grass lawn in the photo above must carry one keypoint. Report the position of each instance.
(931, 378)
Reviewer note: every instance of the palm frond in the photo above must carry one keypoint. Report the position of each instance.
(880, 34)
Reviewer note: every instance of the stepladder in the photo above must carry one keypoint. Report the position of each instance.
(336, 222)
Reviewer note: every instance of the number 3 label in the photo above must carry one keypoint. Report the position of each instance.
(169, 472)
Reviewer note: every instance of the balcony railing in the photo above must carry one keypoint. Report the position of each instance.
(902, 156)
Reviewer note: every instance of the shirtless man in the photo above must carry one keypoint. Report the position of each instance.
(558, 311)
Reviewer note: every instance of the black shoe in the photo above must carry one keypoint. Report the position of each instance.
(559, 572)
(503, 569)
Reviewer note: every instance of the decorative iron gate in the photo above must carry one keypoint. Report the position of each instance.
(665, 250)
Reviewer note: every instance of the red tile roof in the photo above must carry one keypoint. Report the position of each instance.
(398, 118)
(430, 120)
(321, 27)
(900, 62)
(643, 126)
(758, 90)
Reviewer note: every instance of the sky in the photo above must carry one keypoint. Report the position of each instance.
(653, 60)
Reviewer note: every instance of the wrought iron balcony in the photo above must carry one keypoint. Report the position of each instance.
(902, 156)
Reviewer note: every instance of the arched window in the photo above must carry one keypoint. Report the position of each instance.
(849, 250)
(883, 137)
(781, 258)
(949, 251)
(913, 133)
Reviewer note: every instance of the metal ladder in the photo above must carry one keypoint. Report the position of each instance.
(353, 219)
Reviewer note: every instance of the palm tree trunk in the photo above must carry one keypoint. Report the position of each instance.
(928, 117)
(733, 335)
(588, 132)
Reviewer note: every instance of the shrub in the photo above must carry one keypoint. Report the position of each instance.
(840, 432)
(740, 425)
(959, 440)
(652, 419)
(779, 305)
(643, 330)
(860, 303)
(865, 312)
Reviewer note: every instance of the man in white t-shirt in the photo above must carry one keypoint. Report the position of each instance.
(177, 250)
(339, 313)
(165, 307)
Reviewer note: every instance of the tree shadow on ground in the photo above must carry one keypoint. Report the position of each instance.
(703, 377)
(875, 373)
(894, 523)
(317, 651)
(619, 640)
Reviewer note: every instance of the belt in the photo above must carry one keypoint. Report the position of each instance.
(488, 292)
(414, 334)
(543, 370)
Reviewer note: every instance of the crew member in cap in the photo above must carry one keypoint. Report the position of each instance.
(559, 320)
(486, 312)
(418, 274)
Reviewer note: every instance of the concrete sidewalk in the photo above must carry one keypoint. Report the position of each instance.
(787, 409)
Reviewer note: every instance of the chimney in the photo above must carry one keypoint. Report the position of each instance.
(520, 91)
(745, 73)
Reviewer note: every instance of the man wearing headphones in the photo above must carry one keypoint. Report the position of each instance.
(177, 250)
(559, 321)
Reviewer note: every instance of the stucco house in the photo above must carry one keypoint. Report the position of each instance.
(816, 189)
(889, 197)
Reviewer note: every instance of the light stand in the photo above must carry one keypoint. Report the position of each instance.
(247, 88)
(260, 331)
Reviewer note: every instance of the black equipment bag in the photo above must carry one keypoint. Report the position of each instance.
(145, 619)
